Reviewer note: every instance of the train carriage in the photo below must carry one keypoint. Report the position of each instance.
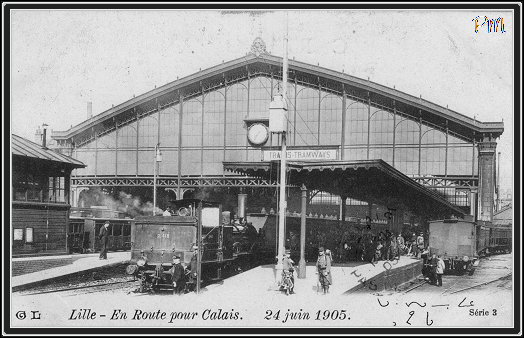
(461, 243)
(82, 235)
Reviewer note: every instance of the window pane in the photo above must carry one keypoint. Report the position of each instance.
(18, 234)
(29, 235)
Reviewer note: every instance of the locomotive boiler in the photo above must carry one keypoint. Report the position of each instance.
(156, 239)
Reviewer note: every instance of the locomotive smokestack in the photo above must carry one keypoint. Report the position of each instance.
(242, 198)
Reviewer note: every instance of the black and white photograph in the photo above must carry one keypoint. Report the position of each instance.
(265, 168)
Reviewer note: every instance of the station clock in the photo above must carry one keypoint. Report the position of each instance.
(257, 133)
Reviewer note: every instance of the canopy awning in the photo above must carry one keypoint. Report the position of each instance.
(372, 181)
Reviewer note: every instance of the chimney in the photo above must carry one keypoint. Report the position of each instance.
(38, 135)
(89, 110)
(44, 126)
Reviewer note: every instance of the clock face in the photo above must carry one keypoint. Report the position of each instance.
(257, 133)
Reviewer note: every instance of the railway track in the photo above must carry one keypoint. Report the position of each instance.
(98, 287)
(489, 272)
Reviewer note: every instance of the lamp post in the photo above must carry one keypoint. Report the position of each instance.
(158, 158)
(278, 124)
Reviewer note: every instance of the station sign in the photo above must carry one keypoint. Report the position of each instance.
(302, 155)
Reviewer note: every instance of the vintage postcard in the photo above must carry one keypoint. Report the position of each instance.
(164, 178)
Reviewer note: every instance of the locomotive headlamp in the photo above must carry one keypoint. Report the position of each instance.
(131, 269)
(141, 261)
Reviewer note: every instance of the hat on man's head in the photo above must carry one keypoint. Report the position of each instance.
(194, 247)
(107, 222)
(176, 257)
(288, 252)
(321, 249)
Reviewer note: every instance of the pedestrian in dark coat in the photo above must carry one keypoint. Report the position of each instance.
(103, 235)
(414, 247)
(179, 280)
(193, 268)
(324, 269)
(433, 271)
(441, 266)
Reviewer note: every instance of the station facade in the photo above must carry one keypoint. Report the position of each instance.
(221, 115)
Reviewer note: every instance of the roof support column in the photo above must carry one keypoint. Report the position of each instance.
(225, 121)
(180, 119)
(302, 262)
(343, 131)
(369, 122)
(473, 203)
(116, 146)
(487, 149)
(394, 130)
(248, 98)
(473, 157)
(137, 137)
(319, 104)
(202, 130)
(295, 113)
(96, 150)
(419, 140)
(447, 146)
(343, 200)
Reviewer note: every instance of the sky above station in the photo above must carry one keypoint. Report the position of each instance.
(62, 59)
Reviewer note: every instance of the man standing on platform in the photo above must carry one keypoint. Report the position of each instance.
(104, 238)
(400, 245)
(420, 244)
(193, 268)
(441, 266)
(324, 269)
(178, 276)
(288, 270)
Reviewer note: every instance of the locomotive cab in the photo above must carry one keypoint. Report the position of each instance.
(156, 239)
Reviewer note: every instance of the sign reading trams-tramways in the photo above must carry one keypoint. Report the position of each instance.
(302, 154)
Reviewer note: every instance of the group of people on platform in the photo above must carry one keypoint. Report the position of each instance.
(323, 266)
(383, 247)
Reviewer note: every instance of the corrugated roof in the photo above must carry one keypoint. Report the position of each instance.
(24, 147)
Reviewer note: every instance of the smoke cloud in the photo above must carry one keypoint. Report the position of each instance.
(131, 205)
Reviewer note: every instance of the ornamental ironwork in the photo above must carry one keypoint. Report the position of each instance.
(258, 47)
(172, 182)
(449, 182)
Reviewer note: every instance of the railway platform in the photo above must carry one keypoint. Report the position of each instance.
(72, 264)
(347, 279)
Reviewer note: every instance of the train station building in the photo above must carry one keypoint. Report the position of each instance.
(386, 148)
(40, 198)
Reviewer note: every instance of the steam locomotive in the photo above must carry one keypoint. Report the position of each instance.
(223, 248)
